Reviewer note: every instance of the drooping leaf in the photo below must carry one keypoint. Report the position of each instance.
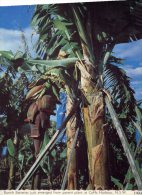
(45, 65)
(118, 84)
(21, 160)
(11, 147)
(7, 54)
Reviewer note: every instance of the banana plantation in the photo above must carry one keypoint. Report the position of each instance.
(91, 143)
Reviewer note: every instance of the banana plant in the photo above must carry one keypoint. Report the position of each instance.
(82, 31)
(13, 89)
(86, 37)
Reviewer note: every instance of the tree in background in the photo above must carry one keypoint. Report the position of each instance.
(14, 87)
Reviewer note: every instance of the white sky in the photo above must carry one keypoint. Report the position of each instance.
(31, 2)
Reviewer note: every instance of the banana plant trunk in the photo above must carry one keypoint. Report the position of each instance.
(71, 129)
(36, 180)
(11, 181)
(95, 132)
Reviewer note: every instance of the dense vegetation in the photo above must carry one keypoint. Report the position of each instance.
(75, 55)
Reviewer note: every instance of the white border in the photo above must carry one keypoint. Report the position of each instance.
(34, 2)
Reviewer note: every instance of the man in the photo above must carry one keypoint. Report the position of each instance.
(38, 116)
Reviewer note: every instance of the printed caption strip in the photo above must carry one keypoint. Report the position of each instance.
(68, 192)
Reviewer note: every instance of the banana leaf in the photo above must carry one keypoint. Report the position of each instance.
(45, 65)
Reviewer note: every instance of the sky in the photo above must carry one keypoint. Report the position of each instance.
(132, 55)
(14, 19)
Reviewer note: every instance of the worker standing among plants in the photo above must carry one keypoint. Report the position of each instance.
(38, 116)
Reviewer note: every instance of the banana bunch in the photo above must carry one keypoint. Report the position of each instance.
(44, 94)
(49, 88)
(32, 111)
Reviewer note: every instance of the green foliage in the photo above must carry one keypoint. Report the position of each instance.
(130, 185)
(14, 87)
(57, 32)
(53, 165)
(117, 183)
(65, 26)
(57, 157)
(45, 141)
(120, 186)
(139, 114)
(11, 147)
(138, 123)
(42, 66)
(118, 84)
(25, 155)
